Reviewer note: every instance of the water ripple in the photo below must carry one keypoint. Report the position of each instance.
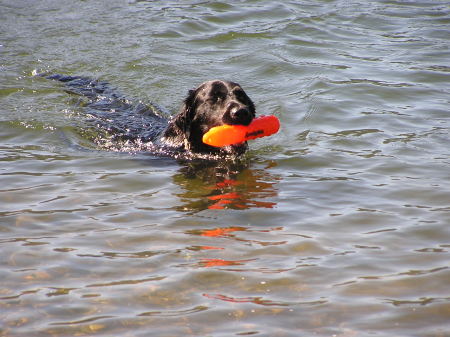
(336, 226)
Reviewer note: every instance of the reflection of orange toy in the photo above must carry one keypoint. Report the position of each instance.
(221, 231)
(218, 263)
(224, 135)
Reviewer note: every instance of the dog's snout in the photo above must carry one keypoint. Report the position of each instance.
(239, 115)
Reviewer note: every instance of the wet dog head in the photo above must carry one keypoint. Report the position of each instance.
(212, 104)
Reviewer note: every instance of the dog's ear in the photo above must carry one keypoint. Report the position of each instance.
(184, 118)
(179, 128)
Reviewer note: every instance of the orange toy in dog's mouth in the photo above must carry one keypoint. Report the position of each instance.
(224, 135)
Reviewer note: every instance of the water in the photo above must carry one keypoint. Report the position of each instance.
(336, 226)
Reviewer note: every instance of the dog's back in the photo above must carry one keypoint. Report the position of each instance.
(111, 112)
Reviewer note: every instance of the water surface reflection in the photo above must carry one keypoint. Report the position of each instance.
(225, 185)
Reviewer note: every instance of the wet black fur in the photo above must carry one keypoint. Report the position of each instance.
(213, 103)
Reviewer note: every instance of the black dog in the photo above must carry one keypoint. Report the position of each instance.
(212, 104)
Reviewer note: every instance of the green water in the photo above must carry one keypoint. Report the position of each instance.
(336, 226)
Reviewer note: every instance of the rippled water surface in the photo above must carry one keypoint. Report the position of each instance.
(336, 226)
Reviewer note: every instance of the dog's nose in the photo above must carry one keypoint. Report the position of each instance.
(241, 116)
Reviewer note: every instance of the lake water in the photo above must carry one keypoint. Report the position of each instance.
(336, 226)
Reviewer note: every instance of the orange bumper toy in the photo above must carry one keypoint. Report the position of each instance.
(224, 135)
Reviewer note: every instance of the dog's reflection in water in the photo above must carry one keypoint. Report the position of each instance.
(222, 185)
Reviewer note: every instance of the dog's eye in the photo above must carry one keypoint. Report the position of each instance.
(215, 99)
